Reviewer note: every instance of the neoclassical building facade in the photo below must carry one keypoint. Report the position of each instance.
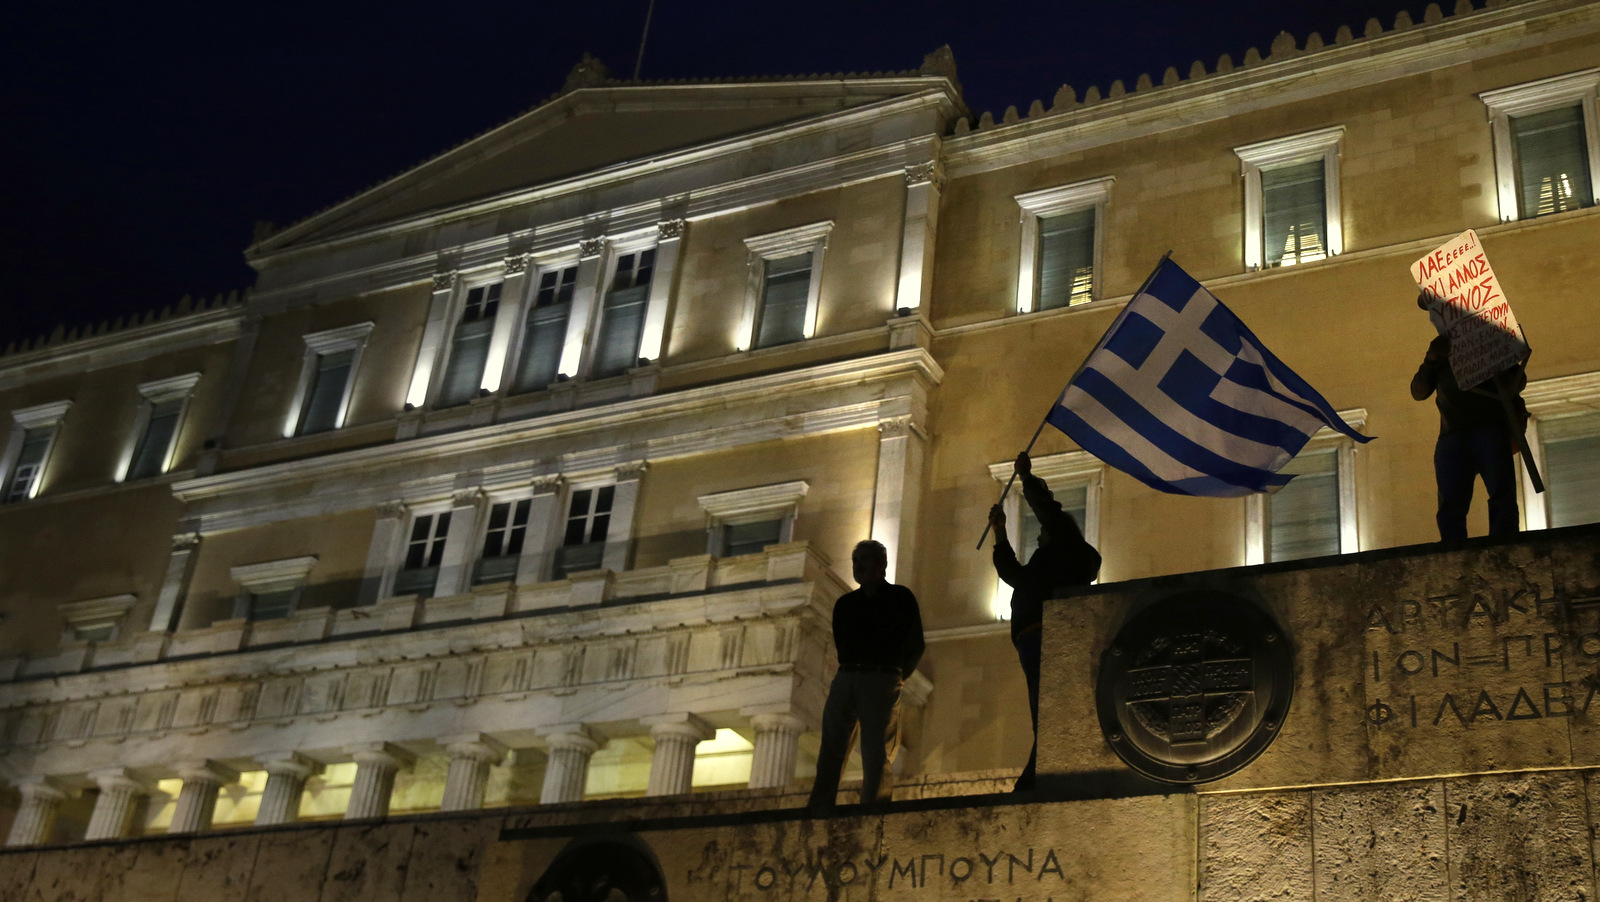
(531, 474)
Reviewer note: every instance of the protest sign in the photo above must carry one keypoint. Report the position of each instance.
(1470, 308)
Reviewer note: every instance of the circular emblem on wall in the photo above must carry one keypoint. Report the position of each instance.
(1195, 686)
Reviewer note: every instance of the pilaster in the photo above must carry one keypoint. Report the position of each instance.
(388, 532)
(623, 504)
(653, 337)
(895, 499)
(433, 337)
(585, 298)
(113, 810)
(919, 234)
(454, 563)
(180, 566)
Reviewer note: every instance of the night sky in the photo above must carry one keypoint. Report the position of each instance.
(140, 142)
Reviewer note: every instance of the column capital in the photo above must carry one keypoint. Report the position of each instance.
(591, 247)
(390, 510)
(444, 281)
(632, 470)
(670, 229)
(777, 723)
(205, 769)
(686, 725)
(47, 789)
(111, 779)
(467, 498)
(517, 263)
(382, 754)
(291, 764)
(546, 485)
(575, 736)
(185, 541)
(931, 172)
(479, 747)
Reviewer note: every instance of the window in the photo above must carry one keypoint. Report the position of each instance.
(161, 410)
(588, 523)
(1291, 199)
(327, 375)
(1315, 514)
(270, 590)
(469, 348)
(1564, 436)
(784, 286)
(503, 539)
(1074, 478)
(622, 314)
(419, 571)
(96, 619)
(1546, 144)
(27, 451)
(544, 332)
(746, 521)
(1061, 245)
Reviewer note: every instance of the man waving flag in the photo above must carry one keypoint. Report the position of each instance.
(1182, 396)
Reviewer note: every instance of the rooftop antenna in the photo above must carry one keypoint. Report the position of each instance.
(638, 61)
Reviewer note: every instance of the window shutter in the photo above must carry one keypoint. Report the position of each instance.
(622, 322)
(542, 342)
(750, 538)
(1305, 513)
(468, 353)
(1294, 215)
(151, 453)
(29, 462)
(1551, 162)
(327, 392)
(1572, 468)
(1066, 259)
(783, 301)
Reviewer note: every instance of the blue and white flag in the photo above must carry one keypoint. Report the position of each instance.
(1182, 396)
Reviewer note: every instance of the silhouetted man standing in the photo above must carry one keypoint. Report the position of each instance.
(877, 630)
(1475, 439)
(1062, 559)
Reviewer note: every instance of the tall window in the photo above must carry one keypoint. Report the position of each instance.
(1546, 144)
(784, 286)
(545, 331)
(327, 376)
(27, 450)
(1074, 479)
(469, 348)
(1060, 245)
(1571, 448)
(1074, 500)
(784, 290)
(622, 315)
(161, 408)
(1291, 199)
(502, 541)
(746, 521)
(419, 572)
(588, 522)
(1304, 515)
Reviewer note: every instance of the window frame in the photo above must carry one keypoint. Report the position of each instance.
(26, 419)
(566, 259)
(739, 507)
(403, 545)
(1548, 399)
(285, 575)
(616, 249)
(1093, 194)
(93, 613)
(1258, 530)
(761, 249)
(481, 534)
(558, 539)
(1501, 104)
(351, 338)
(1066, 470)
(1323, 144)
(177, 388)
(456, 307)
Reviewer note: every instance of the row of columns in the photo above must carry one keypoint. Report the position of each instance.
(570, 747)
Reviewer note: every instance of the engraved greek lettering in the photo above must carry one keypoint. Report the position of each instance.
(1439, 655)
(1511, 603)
(766, 878)
(1484, 708)
(1050, 864)
(734, 876)
(1411, 656)
(1587, 699)
(839, 874)
(1565, 701)
(1377, 671)
(874, 866)
(1011, 868)
(1551, 651)
(991, 862)
(939, 873)
(1527, 647)
(1378, 618)
(1413, 710)
(1540, 603)
(958, 879)
(1522, 699)
(1379, 713)
(799, 869)
(1479, 608)
(1449, 701)
(909, 872)
(1410, 614)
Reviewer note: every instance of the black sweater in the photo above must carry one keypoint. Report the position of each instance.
(1067, 560)
(879, 631)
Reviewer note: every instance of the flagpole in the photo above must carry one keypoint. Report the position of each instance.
(1037, 432)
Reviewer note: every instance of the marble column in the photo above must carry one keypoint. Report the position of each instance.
(197, 801)
(286, 783)
(566, 767)
(672, 765)
(471, 755)
(376, 765)
(113, 811)
(36, 816)
(777, 746)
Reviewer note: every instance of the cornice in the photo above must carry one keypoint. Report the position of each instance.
(1331, 70)
(280, 246)
(126, 346)
(914, 363)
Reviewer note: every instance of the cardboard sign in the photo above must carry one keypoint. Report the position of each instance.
(1470, 308)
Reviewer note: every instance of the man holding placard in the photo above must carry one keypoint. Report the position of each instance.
(1474, 371)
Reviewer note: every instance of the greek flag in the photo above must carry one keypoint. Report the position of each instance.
(1182, 396)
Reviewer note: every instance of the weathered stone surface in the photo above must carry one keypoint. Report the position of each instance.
(68, 875)
(1524, 837)
(1255, 846)
(16, 873)
(445, 857)
(1380, 842)
(368, 863)
(509, 869)
(218, 867)
(150, 873)
(831, 859)
(290, 865)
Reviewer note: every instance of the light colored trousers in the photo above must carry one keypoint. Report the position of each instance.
(865, 705)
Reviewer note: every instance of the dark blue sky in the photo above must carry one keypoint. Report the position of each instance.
(139, 143)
